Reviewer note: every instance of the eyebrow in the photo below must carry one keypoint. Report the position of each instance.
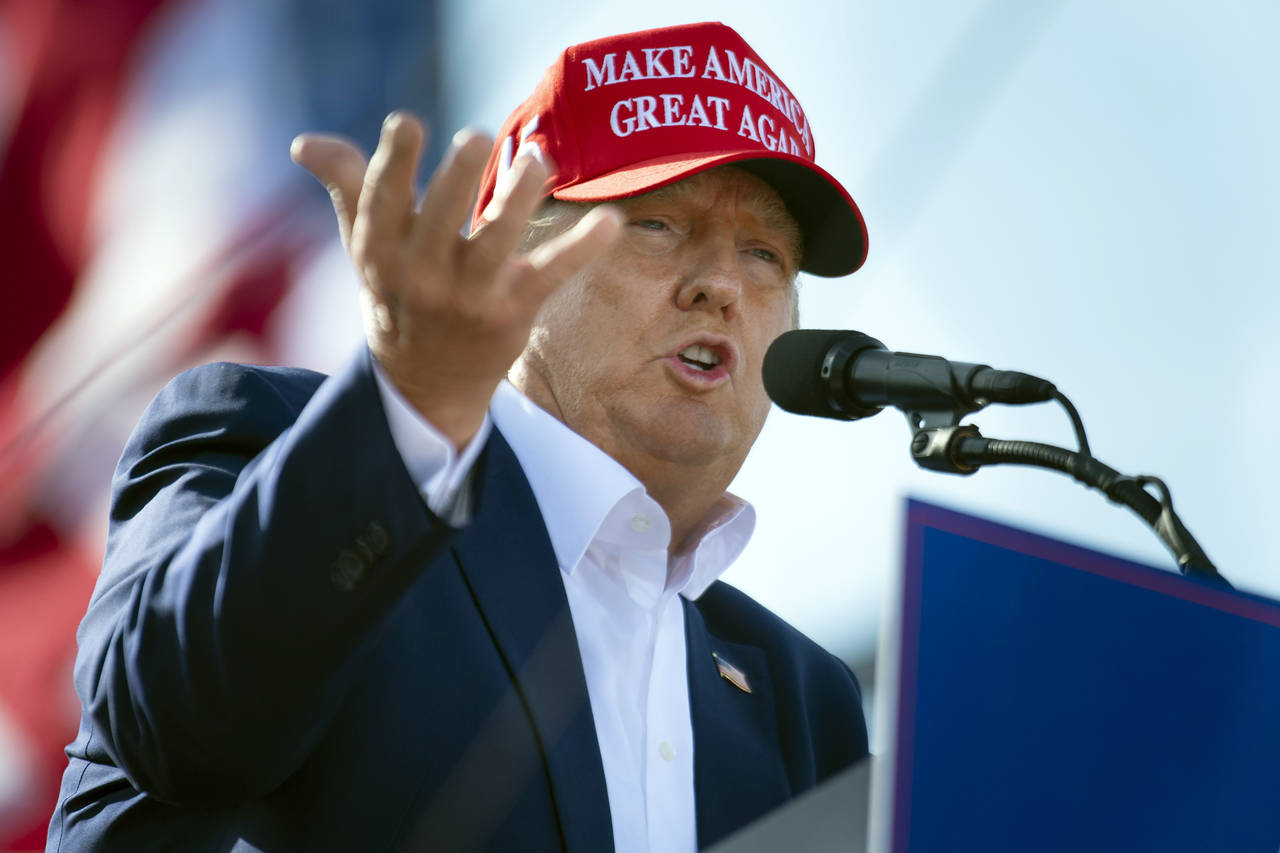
(773, 211)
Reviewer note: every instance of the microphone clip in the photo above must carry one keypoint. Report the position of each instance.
(937, 448)
(936, 436)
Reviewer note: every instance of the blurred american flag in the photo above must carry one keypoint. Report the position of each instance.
(150, 219)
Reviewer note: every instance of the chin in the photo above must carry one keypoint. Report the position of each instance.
(687, 432)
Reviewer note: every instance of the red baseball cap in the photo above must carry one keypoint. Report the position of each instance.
(624, 115)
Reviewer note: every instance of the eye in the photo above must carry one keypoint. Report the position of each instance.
(650, 224)
(765, 254)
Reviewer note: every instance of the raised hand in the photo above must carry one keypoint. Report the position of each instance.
(445, 315)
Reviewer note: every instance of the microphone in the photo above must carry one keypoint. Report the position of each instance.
(846, 375)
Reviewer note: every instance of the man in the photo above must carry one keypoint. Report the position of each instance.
(415, 606)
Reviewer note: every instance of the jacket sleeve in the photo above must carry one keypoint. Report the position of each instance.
(259, 533)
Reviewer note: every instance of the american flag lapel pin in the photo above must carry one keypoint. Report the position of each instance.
(732, 674)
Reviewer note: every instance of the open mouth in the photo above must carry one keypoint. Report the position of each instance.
(700, 358)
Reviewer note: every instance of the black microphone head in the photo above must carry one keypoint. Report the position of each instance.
(799, 378)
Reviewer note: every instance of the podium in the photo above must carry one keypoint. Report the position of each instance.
(1036, 695)
(1050, 697)
(832, 818)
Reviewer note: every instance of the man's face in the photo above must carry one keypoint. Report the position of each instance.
(653, 351)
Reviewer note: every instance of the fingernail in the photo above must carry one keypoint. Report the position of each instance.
(391, 124)
(599, 214)
(465, 135)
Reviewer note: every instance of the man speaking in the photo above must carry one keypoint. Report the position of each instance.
(462, 594)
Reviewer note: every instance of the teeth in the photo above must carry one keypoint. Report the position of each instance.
(702, 357)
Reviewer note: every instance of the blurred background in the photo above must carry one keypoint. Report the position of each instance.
(1082, 190)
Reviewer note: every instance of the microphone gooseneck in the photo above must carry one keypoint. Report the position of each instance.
(846, 375)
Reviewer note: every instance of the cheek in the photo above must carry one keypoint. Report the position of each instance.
(589, 306)
(774, 318)
(575, 342)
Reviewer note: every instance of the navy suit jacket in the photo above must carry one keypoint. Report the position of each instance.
(287, 650)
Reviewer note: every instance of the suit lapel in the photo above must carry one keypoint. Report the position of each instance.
(507, 559)
(738, 773)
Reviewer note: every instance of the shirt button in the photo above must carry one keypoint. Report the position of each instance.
(667, 751)
(640, 522)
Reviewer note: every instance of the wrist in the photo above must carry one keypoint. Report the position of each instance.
(456, 408)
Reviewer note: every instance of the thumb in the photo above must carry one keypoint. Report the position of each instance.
(340, 166)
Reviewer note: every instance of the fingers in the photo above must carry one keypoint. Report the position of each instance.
(385, 208)
(558, 259)
(446, 205)
(508, 217)
(339, 166)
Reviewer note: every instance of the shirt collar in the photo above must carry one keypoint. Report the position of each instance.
(578, 486)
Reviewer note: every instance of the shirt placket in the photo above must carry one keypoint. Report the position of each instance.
(668, 765)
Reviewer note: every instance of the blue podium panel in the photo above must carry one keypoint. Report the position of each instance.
(1052, 697)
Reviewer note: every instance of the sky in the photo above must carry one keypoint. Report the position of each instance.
(1084, 191)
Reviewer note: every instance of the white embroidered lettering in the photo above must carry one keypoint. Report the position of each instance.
(600, 75)
(738, 73)
(767, 127)
(645, 119)
(712, 68)
(630, 69)
(653, 62)
(721, 104)
(698, 113)
(627, 125)
(746, 127)
(671, 115)
(680, 55)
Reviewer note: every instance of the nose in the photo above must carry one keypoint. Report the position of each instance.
(714, 283)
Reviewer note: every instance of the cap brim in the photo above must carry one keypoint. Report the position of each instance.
(835, 236)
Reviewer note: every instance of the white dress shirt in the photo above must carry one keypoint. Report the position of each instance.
(611, 541)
